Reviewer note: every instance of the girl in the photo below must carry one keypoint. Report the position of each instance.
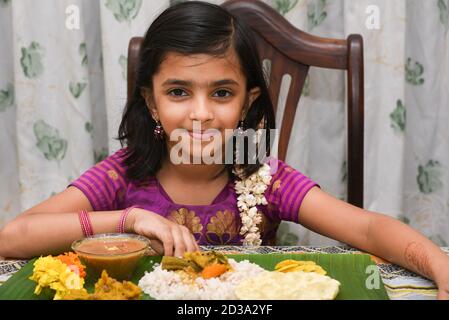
(199, 64)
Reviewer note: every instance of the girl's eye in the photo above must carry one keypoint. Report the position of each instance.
(222, 93)
(177, 93)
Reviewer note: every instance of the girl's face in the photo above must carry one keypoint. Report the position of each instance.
(200, 89)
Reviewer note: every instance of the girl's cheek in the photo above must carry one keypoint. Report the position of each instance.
(173, 116)
(230, 118)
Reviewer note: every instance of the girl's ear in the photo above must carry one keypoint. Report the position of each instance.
(149, 101)
(252, 96)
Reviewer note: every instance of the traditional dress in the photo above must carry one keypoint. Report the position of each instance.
(219, 223)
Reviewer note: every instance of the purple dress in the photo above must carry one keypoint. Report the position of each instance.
(108, 189)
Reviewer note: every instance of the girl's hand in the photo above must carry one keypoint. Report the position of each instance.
(441, 277)
(443, 292)
(176, 238)
(443, 285)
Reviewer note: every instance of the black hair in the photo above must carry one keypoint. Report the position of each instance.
(191, 27)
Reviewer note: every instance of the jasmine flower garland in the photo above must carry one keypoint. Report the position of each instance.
(251, 193)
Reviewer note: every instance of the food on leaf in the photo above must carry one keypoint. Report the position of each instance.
(213, 270)
(107, 288)
(296, 265)
(51, 272)
(209, 264)
(297, 285)
(73, 262)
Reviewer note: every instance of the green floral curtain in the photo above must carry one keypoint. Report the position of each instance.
(63, 88)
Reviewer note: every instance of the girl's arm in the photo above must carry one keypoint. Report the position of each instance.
(51, 226)
(377, 234)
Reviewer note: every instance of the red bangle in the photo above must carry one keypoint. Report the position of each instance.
(122, 221)
(85, 223)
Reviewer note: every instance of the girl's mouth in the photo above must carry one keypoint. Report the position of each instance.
(203, 135)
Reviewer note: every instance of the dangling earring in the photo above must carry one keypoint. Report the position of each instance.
(159, 131)
(240, 129)
(239, 145)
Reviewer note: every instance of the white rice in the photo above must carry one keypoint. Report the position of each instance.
(168, 285)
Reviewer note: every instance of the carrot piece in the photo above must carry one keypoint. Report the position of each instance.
(213, 270)
(73, 262)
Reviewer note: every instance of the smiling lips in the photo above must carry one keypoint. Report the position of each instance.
(202, 135)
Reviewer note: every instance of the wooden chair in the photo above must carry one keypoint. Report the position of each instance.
(292, 51)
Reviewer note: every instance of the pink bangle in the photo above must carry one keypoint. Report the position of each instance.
(85, 223)
(122, 221)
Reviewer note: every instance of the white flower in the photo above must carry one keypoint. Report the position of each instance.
(242, 205)
(264, 169)
(252, 212)
(252, 239)
(250, 200)
(251, 193)
(266, 180)
(247, 221)
(241, 188)
(260, 188)
(253, 229)
(243, 230)
(248, 184)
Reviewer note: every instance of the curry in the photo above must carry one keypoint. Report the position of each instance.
(111, 246)
(118, 255)
(208, 265)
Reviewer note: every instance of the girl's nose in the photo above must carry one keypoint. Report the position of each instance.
(201, 110)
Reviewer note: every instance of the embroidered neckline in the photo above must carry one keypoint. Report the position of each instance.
(218, 200)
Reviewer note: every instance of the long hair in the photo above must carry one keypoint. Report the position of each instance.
(191, 27)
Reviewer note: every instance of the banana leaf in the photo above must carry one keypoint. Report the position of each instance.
(358, 274)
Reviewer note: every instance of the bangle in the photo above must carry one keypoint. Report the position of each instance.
(85, 223)
(123, 216)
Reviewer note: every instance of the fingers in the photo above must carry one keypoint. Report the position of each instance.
(196, 246)
(157, 246)
(183, 240)
(172, 238)
(167, 240)
(180, 245)
(443, 294)
(189, 240)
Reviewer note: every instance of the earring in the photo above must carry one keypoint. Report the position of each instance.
(159, 131)
(241, 128)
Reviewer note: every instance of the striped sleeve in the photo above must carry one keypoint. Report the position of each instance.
(287, 189)
(104, 184)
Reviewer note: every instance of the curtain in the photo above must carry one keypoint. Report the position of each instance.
(63, 88)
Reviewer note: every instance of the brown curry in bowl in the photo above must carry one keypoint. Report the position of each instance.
(118, 254)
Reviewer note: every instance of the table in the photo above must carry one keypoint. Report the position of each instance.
(400, 283)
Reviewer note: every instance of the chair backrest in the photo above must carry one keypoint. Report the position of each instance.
(292, 51)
